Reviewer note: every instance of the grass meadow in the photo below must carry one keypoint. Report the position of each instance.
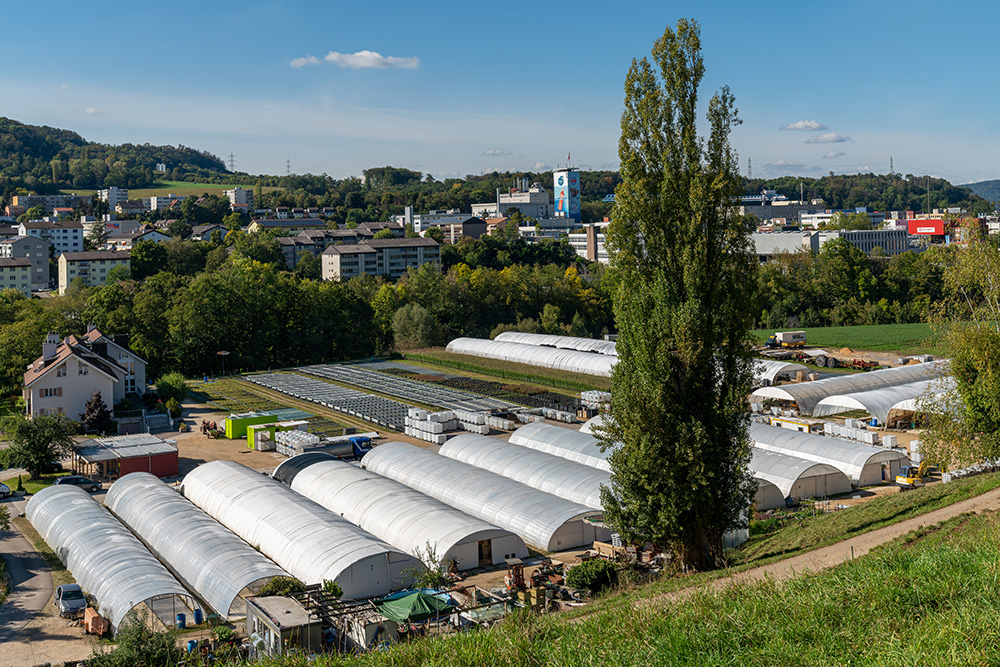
(903, 338)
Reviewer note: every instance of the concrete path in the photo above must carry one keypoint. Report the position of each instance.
(30, 579)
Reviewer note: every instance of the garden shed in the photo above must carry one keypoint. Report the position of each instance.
(306, 539)
(107, 560)
(541, 519)
(119, 455)
(403, 517)
(206, 556)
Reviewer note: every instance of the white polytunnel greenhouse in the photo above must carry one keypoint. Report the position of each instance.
(592, 424)
(403, 517)
(564, 342)
(769, 370)
(561, 477)
(542, 520)
(768, 495)
(564, 442)
(107, 560)
(204, 555)
(573, 361)
(306, 539)
(864, 465)
(880, 402)
(808, 394)
(798, 478)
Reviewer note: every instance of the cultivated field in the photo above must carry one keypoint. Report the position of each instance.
(437, 356)
(902, 338)
(177, 187)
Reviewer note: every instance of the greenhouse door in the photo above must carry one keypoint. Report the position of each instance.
(485, 552)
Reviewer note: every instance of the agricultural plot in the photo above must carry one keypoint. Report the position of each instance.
(231, 396)
(903, 338)
(378, 410)
(514, 393)
(444, 397)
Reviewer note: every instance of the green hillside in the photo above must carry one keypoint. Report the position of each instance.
(986, 189)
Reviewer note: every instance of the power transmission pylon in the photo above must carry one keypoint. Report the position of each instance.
(232, 162)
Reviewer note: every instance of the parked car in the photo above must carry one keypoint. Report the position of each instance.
(70, 599)
(81, 481)
(50, 468)
(4, 490)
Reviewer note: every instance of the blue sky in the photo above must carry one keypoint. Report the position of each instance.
(453, 88)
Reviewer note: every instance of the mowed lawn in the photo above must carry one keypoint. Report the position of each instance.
(903, 338)
(179, 187)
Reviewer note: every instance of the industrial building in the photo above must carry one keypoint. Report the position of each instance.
(541, 519)
(796, 477)
(534, 355)
(864, 465)
(403, 517)
(807, 395)
(206, 557)
(306, 539)
(559, 476)
(107, 560)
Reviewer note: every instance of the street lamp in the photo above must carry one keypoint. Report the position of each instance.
(223, 354)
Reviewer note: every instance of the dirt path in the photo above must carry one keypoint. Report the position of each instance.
(835, 554)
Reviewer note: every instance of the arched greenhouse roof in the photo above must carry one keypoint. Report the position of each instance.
(879, 402)
(106, 559)
(786, 471)
(564, 342)
(850, 458)
(559, 476)
(808, 394)
(534, 515)
(303, 537)
(567, 443)
(206, 556)
(769, 369)
(592, 424)
(573, 361)
(403, 517)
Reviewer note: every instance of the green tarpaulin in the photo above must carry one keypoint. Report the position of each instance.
(413, 608)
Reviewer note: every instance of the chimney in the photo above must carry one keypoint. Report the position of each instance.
(49, 346)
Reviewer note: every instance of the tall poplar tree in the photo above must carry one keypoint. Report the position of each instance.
(686, 271)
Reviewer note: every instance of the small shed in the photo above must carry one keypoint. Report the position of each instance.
(119, 455)
(278, 625)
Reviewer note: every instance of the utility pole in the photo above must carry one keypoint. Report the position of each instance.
(232, 161)
(749, 170)
(892, 171)
(288, 167)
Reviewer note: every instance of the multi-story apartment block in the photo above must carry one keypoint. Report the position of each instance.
(161, 202)
(35, 250)
(113, 196)
(92, 267)
(49, 202)
(240, 199)
(386, 257)
(15, 274)
(64, 236)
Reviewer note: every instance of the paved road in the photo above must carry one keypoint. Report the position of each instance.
(30, 578)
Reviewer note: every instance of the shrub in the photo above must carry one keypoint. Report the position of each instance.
(594, 575)
(174, 408)
(281, 586)
(172, 385)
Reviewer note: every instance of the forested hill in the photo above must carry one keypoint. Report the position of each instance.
(883, 192)
(47, 159)
(986, 189)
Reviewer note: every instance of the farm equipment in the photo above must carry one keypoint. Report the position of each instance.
(514, 580)
(864, 365)
(786, 339)
(911, 477)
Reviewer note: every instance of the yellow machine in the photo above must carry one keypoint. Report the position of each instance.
(911, 477)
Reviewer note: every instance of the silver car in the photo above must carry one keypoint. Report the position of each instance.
(70, 599)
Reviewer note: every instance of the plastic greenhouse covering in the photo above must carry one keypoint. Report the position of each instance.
(788, 473)
(403, 517)
(808, 394)
(540, 518)
(563, 342)
(591, 424)
(564, 442)
(306, 539)
(587, 363)
(205, 555)
(879, 402)
(561, 477)
(106, 559)
(861, 463)
(769, 369)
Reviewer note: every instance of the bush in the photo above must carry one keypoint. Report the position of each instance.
(172, 385)
(281, 586)
(594, 575)
(173, 408)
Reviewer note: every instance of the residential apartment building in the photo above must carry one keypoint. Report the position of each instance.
(204, 232)
(125, 242)
(161, 202)
(69, 372)
(324, 238)
(15, 273)
(240, 197)
(113, 196)
(293, 246)
(91, 266)
(49, 202)
(589, 242)
(63, 236)
(287, 227)
(390, 258)
(423, 221)
(127, 208)
(35, 250)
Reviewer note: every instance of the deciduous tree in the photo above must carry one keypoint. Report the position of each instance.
(685, 270)
(36, 442)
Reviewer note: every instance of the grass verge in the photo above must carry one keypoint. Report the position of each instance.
(60, 575)
(510, 371)
(931, 592)
(902, 338)
(32, 486)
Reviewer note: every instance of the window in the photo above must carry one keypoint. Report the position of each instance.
(61, 371)
(49, 392)
(84, 370)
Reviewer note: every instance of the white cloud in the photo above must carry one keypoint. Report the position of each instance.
(828, 138)
(540, 166)
(783, 167)
(496, 152)
(834, 154)
(805, 126)
(305, 60)
(64, 86)
(371, 60)
(93, 111)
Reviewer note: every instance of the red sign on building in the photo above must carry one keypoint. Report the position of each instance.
(926, 227)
